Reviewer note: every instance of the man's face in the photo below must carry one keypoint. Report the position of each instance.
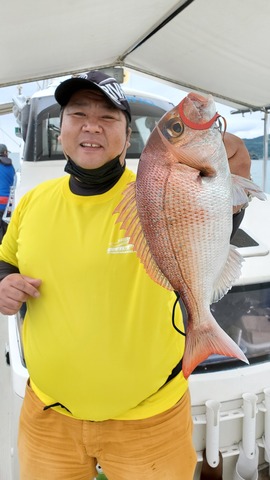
(93, 131)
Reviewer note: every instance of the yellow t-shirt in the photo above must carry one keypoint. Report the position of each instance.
(99, 339)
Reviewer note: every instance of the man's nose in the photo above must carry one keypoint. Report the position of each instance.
(92, 124)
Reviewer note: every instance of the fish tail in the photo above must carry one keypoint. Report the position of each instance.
(207, 339)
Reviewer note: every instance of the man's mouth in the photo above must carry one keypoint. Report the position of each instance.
(92, 145)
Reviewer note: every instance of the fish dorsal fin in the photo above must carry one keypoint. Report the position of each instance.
(230, 273)
(130, 222)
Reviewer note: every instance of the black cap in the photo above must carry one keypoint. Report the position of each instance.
(3, 149)
(93, 79)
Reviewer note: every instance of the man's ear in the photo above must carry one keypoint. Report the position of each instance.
(128, 137)
(127, 144)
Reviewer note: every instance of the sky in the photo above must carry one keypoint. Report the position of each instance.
(250, 125)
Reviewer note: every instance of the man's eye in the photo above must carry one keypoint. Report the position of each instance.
(76, 113)
(108, 117)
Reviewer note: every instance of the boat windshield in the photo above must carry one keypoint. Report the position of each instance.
(244, 313)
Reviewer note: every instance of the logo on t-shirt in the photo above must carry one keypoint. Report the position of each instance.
(121, 246)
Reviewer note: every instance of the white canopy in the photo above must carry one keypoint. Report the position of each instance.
(216, 46)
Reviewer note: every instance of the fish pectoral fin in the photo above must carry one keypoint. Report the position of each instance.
(244, 189)
(206, 339)
(130, 222)
(230, 273)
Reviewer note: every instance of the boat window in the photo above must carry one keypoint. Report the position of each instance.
(50, 133)
(48, 146)
(244, 313)
(146, 112)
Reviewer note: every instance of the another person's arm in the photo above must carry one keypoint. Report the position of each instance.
(238, 155)
(239, 163)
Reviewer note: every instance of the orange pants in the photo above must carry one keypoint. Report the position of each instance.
(53, 446)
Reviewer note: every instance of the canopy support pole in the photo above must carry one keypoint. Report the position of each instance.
(265, 148)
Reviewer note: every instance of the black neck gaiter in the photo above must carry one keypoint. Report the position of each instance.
(84, 181)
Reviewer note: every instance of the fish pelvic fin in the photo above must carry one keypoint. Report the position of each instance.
(208, 339)
(130, 222)
(229, 274)
(244, 190)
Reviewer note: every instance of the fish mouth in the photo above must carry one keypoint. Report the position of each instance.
(196, 97)
(194, 125)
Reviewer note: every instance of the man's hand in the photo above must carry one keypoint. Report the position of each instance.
(15, 289)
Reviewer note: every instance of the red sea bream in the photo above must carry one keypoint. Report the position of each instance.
(178, 215)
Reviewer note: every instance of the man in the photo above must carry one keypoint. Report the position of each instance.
(104, 359)
(7, 174)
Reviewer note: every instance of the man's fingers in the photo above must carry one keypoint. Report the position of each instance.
(11, 307)
(19, 287)
(32, 285)
(15, 289)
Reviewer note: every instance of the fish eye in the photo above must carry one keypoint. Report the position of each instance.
(174, 128)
